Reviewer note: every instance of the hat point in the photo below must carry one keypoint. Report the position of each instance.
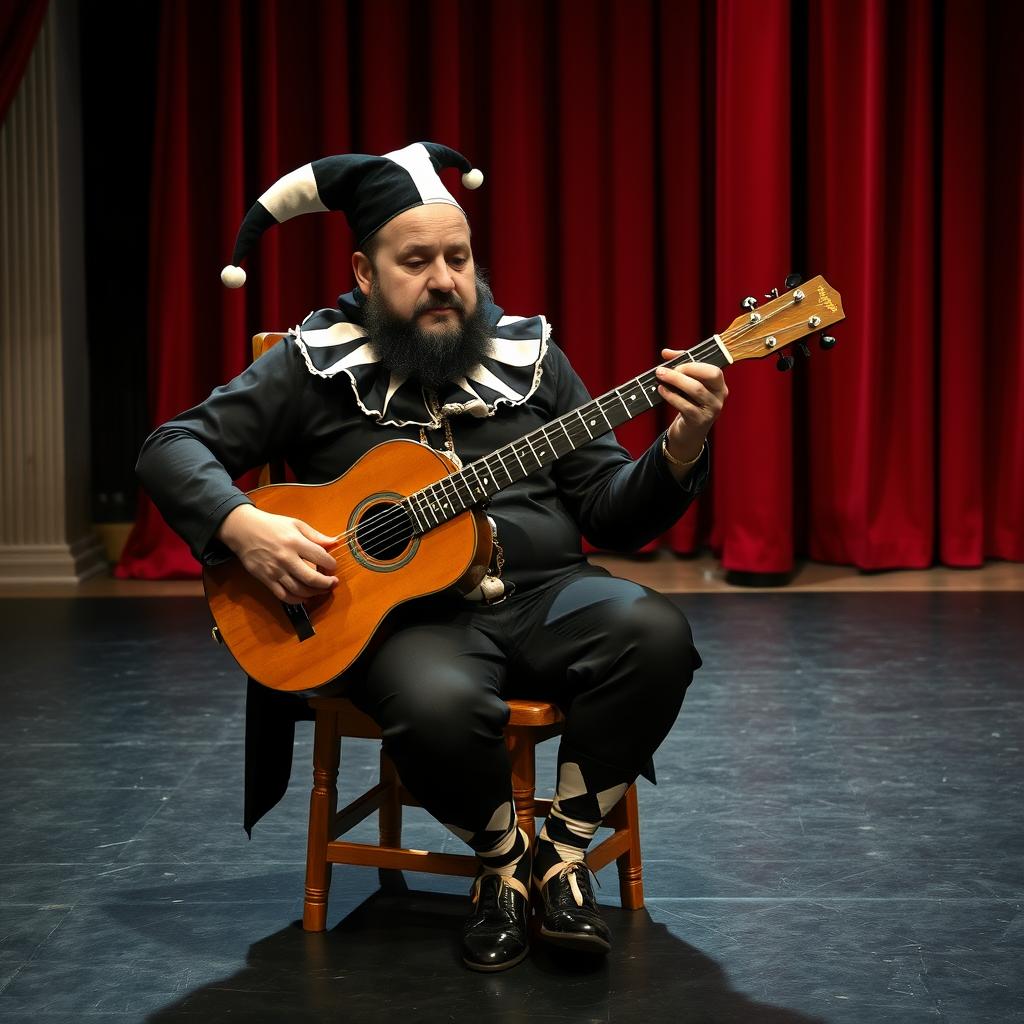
(233, 277)
(473, 179)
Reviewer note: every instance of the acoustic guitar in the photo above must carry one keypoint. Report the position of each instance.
(411, 519)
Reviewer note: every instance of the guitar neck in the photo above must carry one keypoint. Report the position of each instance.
(480, 480)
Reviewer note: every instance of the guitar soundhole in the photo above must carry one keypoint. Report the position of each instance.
(384, 531)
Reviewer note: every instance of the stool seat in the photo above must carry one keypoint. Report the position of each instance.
(534, 712)
(531, 713)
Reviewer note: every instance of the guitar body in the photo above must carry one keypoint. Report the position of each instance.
(301, 648)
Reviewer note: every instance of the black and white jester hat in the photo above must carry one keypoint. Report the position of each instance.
(371, 190)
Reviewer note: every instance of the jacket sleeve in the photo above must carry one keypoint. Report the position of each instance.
(619, 503)
(188, 464)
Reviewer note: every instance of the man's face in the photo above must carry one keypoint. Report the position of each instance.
(423, 268)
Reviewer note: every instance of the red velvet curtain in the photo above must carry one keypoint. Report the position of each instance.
(648, 165)
(20, 22)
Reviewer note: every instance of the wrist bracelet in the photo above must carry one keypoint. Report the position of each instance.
(672, 460)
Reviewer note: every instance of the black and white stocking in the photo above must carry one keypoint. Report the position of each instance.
(587, 791)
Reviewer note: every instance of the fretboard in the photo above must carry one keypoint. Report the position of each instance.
(481, 479)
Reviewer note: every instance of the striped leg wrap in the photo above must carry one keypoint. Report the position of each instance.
(576, 814)
(500, 845)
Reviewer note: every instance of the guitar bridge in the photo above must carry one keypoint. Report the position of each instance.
(299, 618)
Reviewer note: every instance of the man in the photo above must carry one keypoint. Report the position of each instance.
(419, 350)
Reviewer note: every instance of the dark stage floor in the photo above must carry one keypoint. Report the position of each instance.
(836, 834)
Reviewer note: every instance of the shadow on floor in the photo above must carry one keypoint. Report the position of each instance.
(397, 957)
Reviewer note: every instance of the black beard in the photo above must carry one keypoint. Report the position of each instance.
(433, 357)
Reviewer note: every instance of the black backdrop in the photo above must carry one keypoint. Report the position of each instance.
(118, 100)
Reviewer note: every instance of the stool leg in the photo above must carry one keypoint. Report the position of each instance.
(631, 882)
(323, 805)
(390, 821)
(391, 809)
(521, 749)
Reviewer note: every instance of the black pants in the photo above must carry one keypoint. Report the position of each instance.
(615, 656)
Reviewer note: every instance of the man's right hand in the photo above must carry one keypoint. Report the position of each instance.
(277, 550)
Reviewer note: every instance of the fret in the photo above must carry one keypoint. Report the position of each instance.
(503, 466)
(561, 422)
(635, 387)
(418, 527)
(442, 498)
(460, 478)
(533, 450)
(643, 391)
(479, 486)
(519, 460)
(446, 498)
(487, 480)
(590, 410)
(613, 409)
(543, 454)
(424, 508)
(431, 504)
(555, 442)
(619, 397)
(579, 412)
(431, 500)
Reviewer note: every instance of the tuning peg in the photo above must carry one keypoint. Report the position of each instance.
(749, 304)
(773, 294)
(804, 350)
(792, 281)
(785, 362)
(825, 342)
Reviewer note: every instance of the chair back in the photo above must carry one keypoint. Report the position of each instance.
(272, 472)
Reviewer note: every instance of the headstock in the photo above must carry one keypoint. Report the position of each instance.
(785, 319)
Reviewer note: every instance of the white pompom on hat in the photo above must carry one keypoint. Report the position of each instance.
(370, 190)
(233, 277)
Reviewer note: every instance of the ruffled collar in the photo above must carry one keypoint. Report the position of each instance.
(333, 341)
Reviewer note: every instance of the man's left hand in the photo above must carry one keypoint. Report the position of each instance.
(697, 392)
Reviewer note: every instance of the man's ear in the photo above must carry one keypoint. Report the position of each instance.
(363, 269)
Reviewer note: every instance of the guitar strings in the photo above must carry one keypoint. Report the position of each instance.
(397, 520)
(369, 528)
(751, 324)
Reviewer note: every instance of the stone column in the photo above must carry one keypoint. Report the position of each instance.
(45, 530)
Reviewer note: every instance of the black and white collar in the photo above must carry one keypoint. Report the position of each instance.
(332, 341)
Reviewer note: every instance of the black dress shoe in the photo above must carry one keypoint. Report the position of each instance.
(571, 918)
(494, 937)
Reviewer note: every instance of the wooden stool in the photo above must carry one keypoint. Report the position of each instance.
(530, 722)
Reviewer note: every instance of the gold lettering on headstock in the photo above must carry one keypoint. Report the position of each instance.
(825, 300)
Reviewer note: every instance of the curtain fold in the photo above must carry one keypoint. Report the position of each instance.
(752, 254)
(647, 167)
(872, 466)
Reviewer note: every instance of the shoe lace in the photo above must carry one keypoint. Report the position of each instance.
(572, 873)
(506, 885)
